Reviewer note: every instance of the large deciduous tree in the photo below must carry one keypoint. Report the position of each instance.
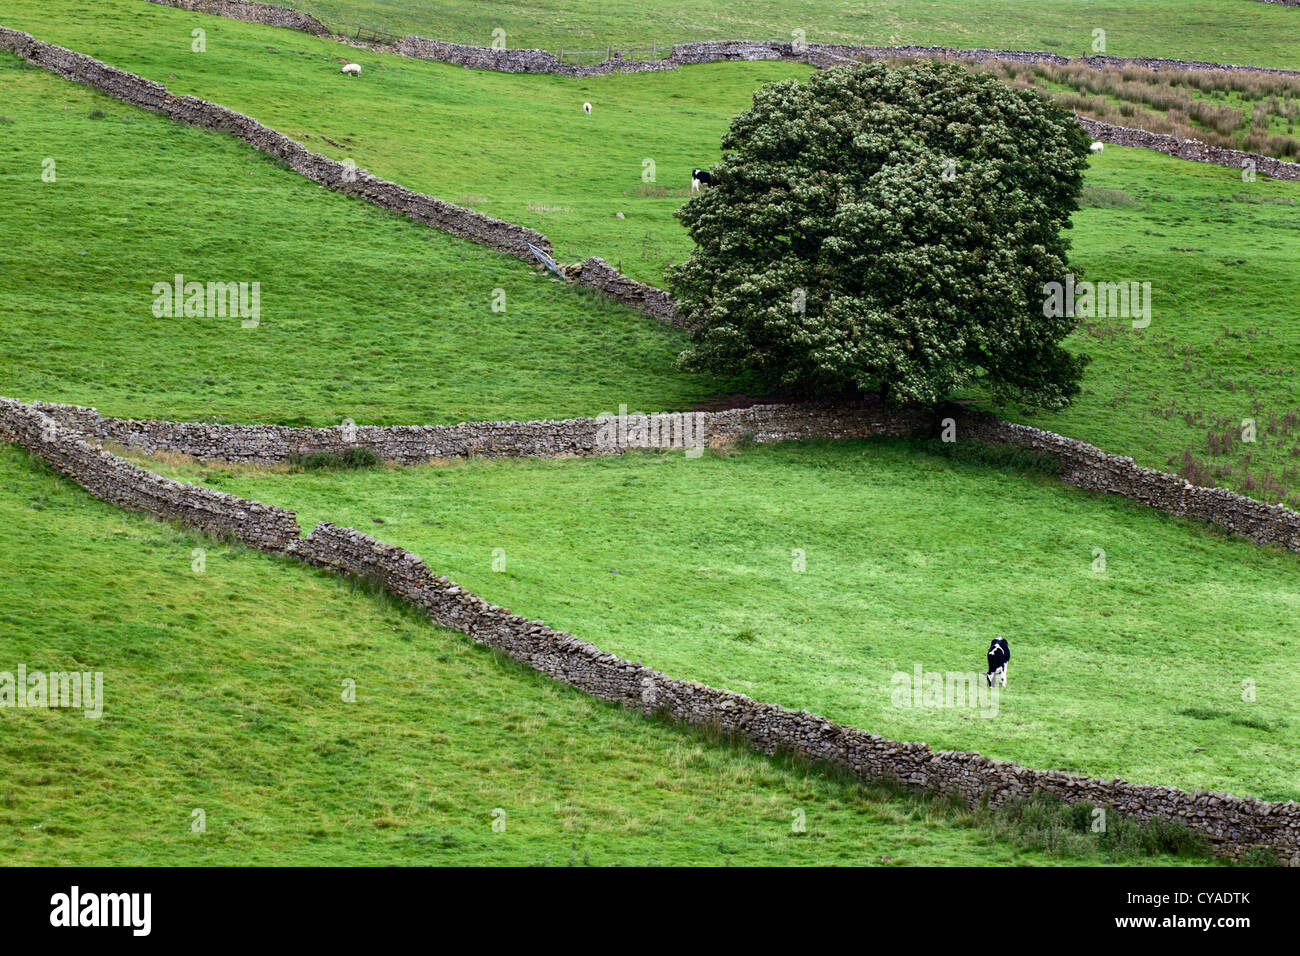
(888, 229)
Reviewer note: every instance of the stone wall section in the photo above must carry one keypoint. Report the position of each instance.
(816, 54)
(119, 482)
(596, 273)
(266, 13)
(1086, 466)
(417, 444)
(1192, 149)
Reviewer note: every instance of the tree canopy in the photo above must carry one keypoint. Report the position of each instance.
(889, 229)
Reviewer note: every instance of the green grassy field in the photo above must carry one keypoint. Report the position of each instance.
(1224, 31)
(1220, 253)
(516, 147)
(223, 693)
(911, 559)
(364, 315)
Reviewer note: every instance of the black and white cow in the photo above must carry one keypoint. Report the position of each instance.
(700, 177)
(999, 655)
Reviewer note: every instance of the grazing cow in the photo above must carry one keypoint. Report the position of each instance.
(700, 177)
(999, 654)
(586, 108)
(1097, 147)
(352, 69)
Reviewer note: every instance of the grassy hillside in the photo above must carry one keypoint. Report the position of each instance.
(1226, 31)
(224, 680)
(223, 693)
(517, 147)
(364, 315)
(1221, 255)
(911, 559)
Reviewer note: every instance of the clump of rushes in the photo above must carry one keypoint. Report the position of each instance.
(349, 460)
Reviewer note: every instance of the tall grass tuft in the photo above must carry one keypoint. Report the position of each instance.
(349, 460)
(1045, 821)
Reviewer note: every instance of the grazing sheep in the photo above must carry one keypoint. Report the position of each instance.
(586, 108)
(1097, 147)
(352, 69)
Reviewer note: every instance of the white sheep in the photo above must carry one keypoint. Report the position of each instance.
(351, 69)
(1097, 147)
(586, 108)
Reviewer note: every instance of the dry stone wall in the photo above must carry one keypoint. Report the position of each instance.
(480, 57)
(136, 90)
(1082, 465)
(596, 273)
(1233, 824)
(118, 481)
(816, 54)
(1192, 149)
(415, 444)
(266, 13)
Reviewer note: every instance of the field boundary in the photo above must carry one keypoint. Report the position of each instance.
(611, 434)
(1080, 464)
(1232, 824)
